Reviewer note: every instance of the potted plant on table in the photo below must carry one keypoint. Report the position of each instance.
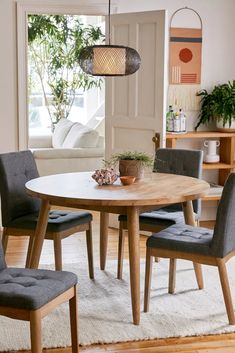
(131, 163)
(218, 105)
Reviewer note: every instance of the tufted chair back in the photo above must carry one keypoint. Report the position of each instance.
(181, 162)
(224, 232)
(16, 168)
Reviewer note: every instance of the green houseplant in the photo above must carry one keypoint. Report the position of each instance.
(218, 105)
(131, 163)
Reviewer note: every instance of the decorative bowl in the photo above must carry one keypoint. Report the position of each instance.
(127, 179)
(106, 176)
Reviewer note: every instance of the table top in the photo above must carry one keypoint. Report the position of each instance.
(80, 188)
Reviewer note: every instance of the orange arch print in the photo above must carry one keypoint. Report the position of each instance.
(185, 55)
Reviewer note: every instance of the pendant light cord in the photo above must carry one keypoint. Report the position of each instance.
(109, 23)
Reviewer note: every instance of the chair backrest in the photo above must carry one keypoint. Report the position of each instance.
(16, 168)
(2, 258)
(224, 232)
(181, 162)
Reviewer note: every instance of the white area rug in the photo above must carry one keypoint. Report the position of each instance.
(105, 309)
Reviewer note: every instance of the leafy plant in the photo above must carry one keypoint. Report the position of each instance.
(145, 159)
(55, 42)
(217, 105)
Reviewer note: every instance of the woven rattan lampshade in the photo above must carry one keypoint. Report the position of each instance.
(109, 60)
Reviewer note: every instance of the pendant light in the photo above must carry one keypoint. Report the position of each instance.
(109, 60)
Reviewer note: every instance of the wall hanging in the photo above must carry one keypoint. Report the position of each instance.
(185, 52)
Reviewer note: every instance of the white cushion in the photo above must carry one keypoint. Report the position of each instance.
(61, 131)
(80, 136)
(68, 153)
(40, 141)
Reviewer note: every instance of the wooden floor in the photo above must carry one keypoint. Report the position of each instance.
(207, 344)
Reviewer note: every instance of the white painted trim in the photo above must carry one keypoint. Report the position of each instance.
(25, 7)
(165, 81)
(22, 79)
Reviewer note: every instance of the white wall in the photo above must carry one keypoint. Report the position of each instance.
(218, 32)
(218, 50)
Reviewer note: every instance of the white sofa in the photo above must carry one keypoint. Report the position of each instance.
(72, 148)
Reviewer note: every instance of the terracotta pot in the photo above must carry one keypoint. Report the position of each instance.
(131, 167)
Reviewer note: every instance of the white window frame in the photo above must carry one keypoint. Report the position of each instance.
(24, 8)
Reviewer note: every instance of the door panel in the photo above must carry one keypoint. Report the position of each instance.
(135, 104)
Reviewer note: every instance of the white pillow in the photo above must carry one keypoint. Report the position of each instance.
(81, 136)
(61, 131)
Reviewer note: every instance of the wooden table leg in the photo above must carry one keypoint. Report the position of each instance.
(188, 213)
(134, 258)
(190, 219)
(39, 234)
(104, 224)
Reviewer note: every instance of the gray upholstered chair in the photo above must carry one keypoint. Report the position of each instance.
(30, 295)
(20, 211)
(172, 161)
(201, 245)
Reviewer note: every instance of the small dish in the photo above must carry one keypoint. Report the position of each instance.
(127, 179)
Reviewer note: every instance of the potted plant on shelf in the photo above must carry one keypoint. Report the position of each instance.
(218, 105)
(131, 163)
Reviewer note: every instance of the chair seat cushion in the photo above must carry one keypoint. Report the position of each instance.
(181, 237)
(31, 289)
(160, 217)
(57, 222)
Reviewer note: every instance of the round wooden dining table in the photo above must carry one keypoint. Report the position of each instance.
(79, 190)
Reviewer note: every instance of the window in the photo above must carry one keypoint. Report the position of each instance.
(57, 87)
(24, 8)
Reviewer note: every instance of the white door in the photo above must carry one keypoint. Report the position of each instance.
(135, 104)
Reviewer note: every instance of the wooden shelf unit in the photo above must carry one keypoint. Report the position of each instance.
(226, 152)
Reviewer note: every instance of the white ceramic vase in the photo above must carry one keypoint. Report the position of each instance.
(211, 155)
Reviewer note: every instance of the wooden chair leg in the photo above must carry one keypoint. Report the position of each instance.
(172, 276)
(226, 290)
(104, 224)
(73, 310)
(90, 251)
(121, 243)
(29, 251)
(36, 331)
(4, 240)
(148, 277)
(199, 276)
(58, 253)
